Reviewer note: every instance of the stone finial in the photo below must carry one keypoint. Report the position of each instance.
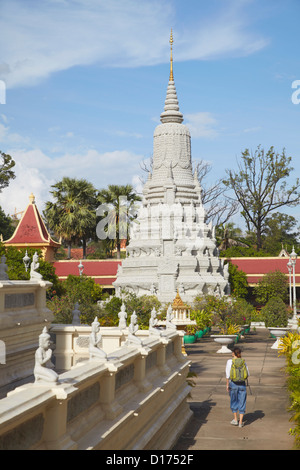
(171, 111)
(171, 57)
(32, 198)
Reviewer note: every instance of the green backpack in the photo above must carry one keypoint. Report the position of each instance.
(238, 371)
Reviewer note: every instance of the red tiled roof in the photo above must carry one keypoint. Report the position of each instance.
(31, 229)
(255, 268)
(104, 272)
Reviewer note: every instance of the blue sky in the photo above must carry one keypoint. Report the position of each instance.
(86, 82)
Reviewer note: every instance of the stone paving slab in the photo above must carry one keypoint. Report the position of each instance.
(266, 418)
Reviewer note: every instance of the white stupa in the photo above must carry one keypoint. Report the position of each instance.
(171, 248)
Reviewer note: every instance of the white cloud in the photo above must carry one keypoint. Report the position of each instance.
(57, 35)
(10, 137)
(252, 129)
(36, 172)
(201, 125)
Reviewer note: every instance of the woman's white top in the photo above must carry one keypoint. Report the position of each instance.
(228, 368)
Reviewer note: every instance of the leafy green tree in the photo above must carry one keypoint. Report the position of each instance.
(273, 284)
(72, 215)
(142, 306)
(6, 226)
(240, 251)
(260, 186)
(238, 282)
(242, 312)
(280, 232)
(121, 211)
(84, 287)
(228, 236)
(81, 289)
(275, 313)
(16, 269)
(6, 170)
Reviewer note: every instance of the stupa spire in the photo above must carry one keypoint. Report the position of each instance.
(171, 57)
(171, 111)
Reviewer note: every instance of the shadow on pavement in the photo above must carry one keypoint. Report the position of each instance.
(249, 418)
(200, 412)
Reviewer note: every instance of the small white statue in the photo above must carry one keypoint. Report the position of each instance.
(95, 339)
(152, 324)
(153, 289)
(43, 369)
(169, 318)
(122, 317)
(76, 315)
(3, 269)
(34, 266)
(132, 329)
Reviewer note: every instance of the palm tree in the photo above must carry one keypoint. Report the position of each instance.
(72, 215)
(228, 236)
(121, 200)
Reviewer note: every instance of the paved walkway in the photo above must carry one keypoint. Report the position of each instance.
(266, 418)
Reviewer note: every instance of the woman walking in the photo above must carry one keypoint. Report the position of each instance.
(236, 376)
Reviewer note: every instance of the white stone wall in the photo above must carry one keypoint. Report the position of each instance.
(135, 400)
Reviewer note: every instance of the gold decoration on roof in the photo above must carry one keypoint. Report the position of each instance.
(171, 59)
(178, 302)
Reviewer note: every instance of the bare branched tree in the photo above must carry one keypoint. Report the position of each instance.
(218, 206)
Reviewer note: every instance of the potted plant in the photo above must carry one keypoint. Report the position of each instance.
(257, 319)
(203, 321)
(189, 337)
(275, 314)
(227, 335)
(241, 314)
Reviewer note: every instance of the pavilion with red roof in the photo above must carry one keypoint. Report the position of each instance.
(31, 232)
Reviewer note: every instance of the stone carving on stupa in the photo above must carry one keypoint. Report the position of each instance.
(171, 247)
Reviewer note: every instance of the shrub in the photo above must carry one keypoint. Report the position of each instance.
(81, 289)
(275, 313)
(141, 305)
(238, 282)
(202, 318)
(190, 329)
(273, 284)
(242, 312)
(290, 347)
(16, 268)
(218, 308)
